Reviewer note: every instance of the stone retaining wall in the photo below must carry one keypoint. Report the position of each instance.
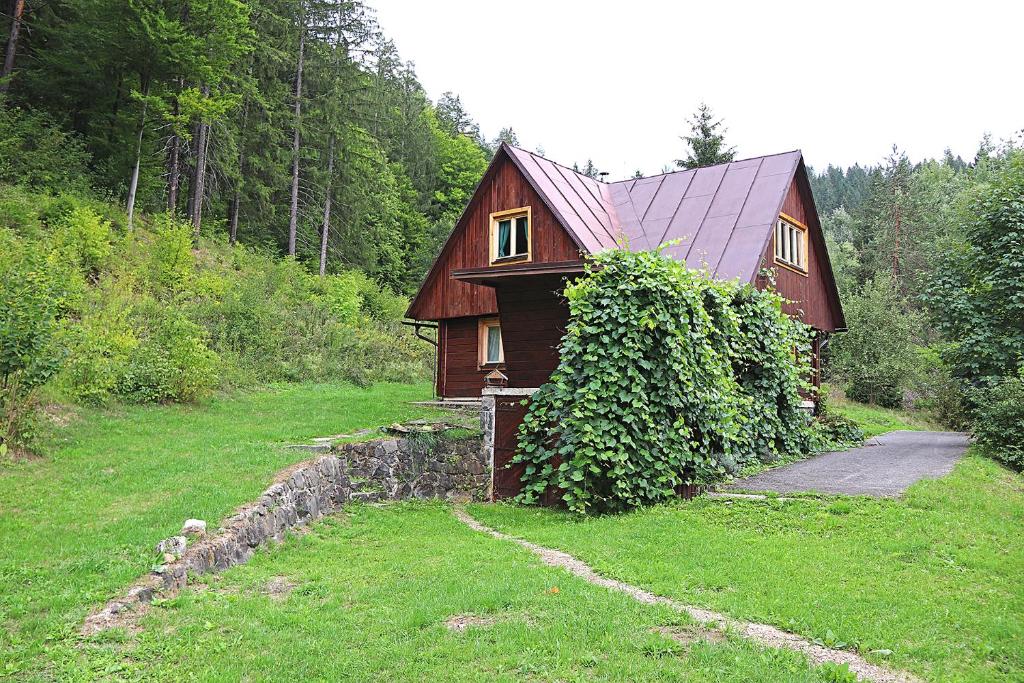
(424, 465)
(416, 466)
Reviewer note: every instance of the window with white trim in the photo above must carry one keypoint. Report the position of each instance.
(510, 235)
(491, 350)
(791, 244)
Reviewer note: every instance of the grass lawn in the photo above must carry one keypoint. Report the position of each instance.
(933, 582)
(366, 598)
(875, 420)
(79, 525)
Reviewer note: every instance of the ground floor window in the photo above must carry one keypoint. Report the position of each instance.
(490, 346)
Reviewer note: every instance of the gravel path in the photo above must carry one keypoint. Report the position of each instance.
(764, 634)
(885, 467)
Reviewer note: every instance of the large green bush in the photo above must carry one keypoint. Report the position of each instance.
(37, 153)
(877, 359)
(28, 313)
(170, 363)
(666, 377)
(999, 419)
(976, 295)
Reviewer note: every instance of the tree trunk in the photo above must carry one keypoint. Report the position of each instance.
(237, 199)
(12, 45)
(896, 245)
(233, 218)
(197, 148)
(293, 220)
(173, 166)
(324, 231)
(199, 180)
(133, 185)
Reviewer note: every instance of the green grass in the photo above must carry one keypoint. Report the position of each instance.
(79, 525)
(371, 591)
(875, 420)
(936, 577)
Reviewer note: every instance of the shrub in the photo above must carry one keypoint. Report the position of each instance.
(832, 431)
(86, 237)
(19, 211)
(35, 152)
(999, 420)
(27, 321)
(877, 357)
(171, 263)
(338, 295)
(170, 363)
(100, 341)
(666, 377)
(936, 391)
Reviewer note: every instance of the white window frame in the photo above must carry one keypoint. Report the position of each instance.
(511, 215)
(791, 244)
(485, 326)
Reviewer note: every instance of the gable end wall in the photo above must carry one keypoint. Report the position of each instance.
(504, 188)
(810, 294)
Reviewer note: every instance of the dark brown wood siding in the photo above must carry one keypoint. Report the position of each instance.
(504, 187)
(533, 320)
(810, 293)
(459, 374)
(506, 478)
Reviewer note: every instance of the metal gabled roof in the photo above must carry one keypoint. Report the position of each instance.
(721, 216)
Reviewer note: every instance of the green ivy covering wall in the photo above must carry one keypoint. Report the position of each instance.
(666, 377)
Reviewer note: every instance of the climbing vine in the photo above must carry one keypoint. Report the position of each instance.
(666, 377)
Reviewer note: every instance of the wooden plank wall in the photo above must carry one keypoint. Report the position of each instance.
(809, 292)
(459, 374)
(505, 188)
(533, 321)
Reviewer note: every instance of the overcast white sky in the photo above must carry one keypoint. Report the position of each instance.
(615, 81)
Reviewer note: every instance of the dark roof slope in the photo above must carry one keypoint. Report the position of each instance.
(722, 216)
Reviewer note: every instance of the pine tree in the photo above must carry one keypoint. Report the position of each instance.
(706, 142)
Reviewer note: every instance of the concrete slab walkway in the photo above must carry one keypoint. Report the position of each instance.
(884, 467)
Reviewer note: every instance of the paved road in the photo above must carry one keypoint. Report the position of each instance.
(885, 467)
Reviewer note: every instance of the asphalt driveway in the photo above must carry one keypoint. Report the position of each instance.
(885, 466)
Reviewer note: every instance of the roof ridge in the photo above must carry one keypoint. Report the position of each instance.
(653, 175)
(687, 170)
(552, 161)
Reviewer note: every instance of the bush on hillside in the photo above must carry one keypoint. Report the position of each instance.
(28, 313)
(666, 377)
(999, 419)
(36, 153)
(145, 317)
(85, 237)
(171, 362)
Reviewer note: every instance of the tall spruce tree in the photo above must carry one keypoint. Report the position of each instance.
(706, 141)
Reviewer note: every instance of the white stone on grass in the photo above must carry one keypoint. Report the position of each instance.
(193, 527)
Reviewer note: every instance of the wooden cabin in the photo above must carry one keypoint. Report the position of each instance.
(495, 289)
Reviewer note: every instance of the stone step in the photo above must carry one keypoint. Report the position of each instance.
(367, 496)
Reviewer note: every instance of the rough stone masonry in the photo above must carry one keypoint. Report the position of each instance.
(416, 466)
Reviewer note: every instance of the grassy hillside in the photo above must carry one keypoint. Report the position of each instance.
(95, 313)
(79, 524)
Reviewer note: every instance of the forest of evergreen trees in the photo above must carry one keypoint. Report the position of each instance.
(288, 123)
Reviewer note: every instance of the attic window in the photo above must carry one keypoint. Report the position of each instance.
(510, 235)
(791, 243)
